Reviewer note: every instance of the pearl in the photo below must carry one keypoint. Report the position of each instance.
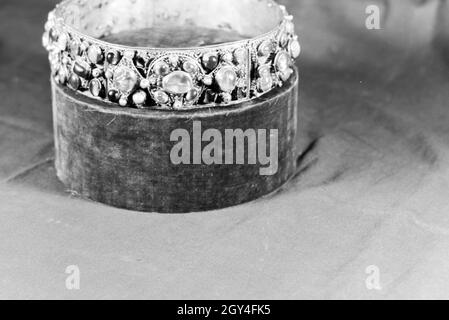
(294, 48)
(265, 81)
(152, 79)
(282, 61)
(208, 80)
(265, 48)
(161, 97)
(109, 74)
(174, 60)
(74, 82)
(161, 68)
(46, 40)
(190, 67)
(82, 69)
(96, 72)
(62, 42)
(178, 82)
(123, 102)
(130, 54)
(144, 83)
(113, 57)
(177, 104)
(94, 54)
(125, 79)
(227, 57)
(226, 79)
(290, 27)
(241, 55)
(210, 61)
(139, 97)
(95, 87)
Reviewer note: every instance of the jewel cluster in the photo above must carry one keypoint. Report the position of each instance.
(180, 80)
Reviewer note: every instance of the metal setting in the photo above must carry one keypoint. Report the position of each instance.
(169, 78)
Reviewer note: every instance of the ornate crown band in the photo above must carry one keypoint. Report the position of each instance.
(171, 78)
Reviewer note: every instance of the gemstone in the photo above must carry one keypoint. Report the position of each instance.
(265, 81)
(74, 82)
(161, 68)
(177, 82)
(113, 57)
(82, 69)
(294, 48)
(113, 95)
(210, 61)
(192, 95)
(94, 54)
(190, 67)
(282, 61)
(240, 56)
(226, 79)
(125, 79)
(161, 97)
(139, 97)
(95, 87)
(265, 48)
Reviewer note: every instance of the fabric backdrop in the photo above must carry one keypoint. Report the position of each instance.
(372, 189)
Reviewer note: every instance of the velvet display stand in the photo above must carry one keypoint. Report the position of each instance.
(121, 157)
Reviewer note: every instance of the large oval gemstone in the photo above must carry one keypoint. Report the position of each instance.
(177, 82)
(125, 79)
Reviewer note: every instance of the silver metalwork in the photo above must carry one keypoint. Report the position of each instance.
(171, 78)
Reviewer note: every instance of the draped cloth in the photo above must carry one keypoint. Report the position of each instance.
(371, 198)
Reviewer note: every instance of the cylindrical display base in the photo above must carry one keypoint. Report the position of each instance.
(126, 157)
